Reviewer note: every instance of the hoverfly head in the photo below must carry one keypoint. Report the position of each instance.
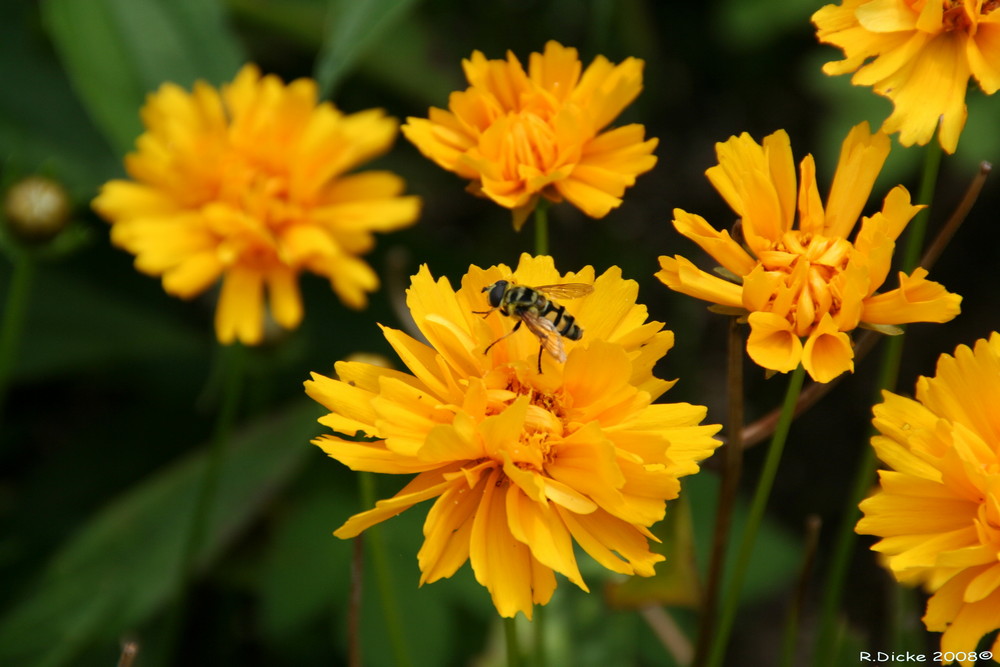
(496, 291)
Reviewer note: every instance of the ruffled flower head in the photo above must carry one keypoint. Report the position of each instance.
(520, 464)
(804, 288)
(918, 53)
(937, 508)
(249, 184)
(518, 135)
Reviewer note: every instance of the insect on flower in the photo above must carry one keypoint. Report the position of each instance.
(545, 318)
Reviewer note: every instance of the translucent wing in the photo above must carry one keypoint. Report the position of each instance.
(547, 334)
(566, 290)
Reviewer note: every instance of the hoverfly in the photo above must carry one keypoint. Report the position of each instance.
(545, 318)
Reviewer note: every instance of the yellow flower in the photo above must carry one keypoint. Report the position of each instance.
(938, 506)
(521, 463)
(249, 184)
(517, 136)
(812, 281)
(918, 53)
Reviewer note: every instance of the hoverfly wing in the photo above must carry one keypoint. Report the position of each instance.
(547, 334)
(566, 290)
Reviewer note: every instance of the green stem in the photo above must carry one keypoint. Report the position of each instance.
(728, 488)
(14, 312)
(542, 227)
(513, 649)
(864, 475)
(232, 359)
(756, 515)
(383, 577)
(538, 628)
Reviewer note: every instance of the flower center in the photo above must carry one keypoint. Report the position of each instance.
(804, 271)
(545, 419)
(529, 146)
(255, 209)
(955, 18)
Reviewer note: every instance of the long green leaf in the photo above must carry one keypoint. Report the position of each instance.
(125, 563)
(116, 51)
(353, 27)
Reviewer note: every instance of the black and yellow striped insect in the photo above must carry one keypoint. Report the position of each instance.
(545, 318)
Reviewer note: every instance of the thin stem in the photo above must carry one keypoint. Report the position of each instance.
(957, 217)
(727, 492)
(12, 325)
(799, 601)
(542, 227)
(510, 635)
(864, 475)
(233, 368)
(538, 629)
(383, 577)
(756, 515)
(918, 227)
(354, 607)
(667, 631)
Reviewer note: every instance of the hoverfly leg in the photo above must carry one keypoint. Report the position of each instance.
(509, 333)
(540, 348)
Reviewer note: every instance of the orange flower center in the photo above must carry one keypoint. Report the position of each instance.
(250, 212)
(804, 269)
(545, 419)
(528, 147)
(955, 18)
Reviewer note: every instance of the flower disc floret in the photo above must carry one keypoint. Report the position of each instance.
(249, 184)
(521, 464)
(937, 508)
(799, 272)
(920, 54)
(519, 135)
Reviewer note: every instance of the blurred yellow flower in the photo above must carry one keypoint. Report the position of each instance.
(520, 135)
(521, 463)
(813, 281)
(937, 508)
(918, 53)
(249, 184)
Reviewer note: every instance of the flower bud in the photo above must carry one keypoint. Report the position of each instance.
(36, 209)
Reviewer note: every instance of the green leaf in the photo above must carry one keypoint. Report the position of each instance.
(125, 563)
(108, 327)
(116, 51)
(352, 28)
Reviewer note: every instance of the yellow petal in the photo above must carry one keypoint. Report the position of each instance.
(827, 352)
(447, 532)
(240, 313)
(861, 158)
(615, 544)
(772, 343)
(681, 275)
(983, 53)
(718, 244)
(915, 300)
(284, 297)
(500, 562)
(542, 530)
(422, 487)
(930, 92)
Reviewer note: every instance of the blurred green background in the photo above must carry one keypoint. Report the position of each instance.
(115, 385)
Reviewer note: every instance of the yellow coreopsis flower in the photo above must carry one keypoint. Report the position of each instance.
(521, 463)
(918, 53)
(518, 135)
(937, 508)
(816, 281)
(249, 184)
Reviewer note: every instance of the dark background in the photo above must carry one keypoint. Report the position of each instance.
(115, 386)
